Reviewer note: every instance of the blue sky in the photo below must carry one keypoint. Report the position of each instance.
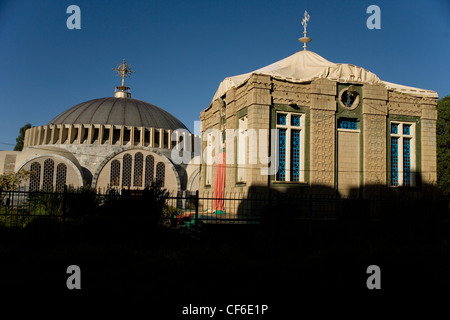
(181, 50)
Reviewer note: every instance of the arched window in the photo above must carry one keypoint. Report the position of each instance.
(149, 168)
(126, 169)
(35, 178)
(160, 173)
(49, 167)
(115, 174)
(61, 173)
(138, 168)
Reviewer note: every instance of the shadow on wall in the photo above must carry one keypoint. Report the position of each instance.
(320, 212)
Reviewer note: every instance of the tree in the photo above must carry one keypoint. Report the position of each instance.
(443, 145)
(21, 137)
(11, 181)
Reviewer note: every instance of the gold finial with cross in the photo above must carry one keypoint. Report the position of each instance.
(124, 71)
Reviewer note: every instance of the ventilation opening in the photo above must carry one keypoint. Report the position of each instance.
(95, 135)
(106, 132)
(126, 136)
(116, 136)
(137, 136)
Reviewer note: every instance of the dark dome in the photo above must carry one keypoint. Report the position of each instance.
(119, 111)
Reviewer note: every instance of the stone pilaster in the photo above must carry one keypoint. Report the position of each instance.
(374, 135)
(322, 134)
(428, 122)
(259, 100)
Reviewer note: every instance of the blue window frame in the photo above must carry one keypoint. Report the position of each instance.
(394, 161)
(295, 156)
(394, 128)
(407, 129)
(402, 151)
(281, 174)
(406, 162)
(295, 121)
(351, 124)
(290, 139)
(282, 119)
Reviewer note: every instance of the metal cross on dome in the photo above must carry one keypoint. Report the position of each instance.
(304, 21)
(305, 39)
(124, 71)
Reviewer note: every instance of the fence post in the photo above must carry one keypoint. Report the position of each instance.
(196, 213)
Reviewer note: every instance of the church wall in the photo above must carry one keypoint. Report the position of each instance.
(259, 104)
(374, 109)
(429, 165)
(8, 161)
(323, 131)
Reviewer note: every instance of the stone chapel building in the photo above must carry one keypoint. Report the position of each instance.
(329, 128)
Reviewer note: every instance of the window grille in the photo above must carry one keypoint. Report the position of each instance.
(49, 167)
(61, 174)
(295, 121)
(290, 147)
(160, 173)
(295, 157)
(149, 168)
(281, 174)
(402, 154)
(394, 128)
(407, 129)
(348, 124)
(394, 161)
(406, 161)
(35, 178)
(138, 168)
(282, 119)
(115, 174)
(126, 170)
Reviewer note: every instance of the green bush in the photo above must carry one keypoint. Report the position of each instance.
(169, 212)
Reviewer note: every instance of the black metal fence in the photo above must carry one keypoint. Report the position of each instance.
(19, 209)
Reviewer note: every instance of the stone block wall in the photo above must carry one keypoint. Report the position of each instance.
(374, 134)
(323, 133)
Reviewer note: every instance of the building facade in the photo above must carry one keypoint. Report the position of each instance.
(325, 127)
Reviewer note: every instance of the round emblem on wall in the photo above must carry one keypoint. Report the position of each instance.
(349, 98)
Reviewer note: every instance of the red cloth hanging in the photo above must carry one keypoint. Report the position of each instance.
(219, 186)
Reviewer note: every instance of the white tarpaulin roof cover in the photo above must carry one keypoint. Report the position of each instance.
(305, 66)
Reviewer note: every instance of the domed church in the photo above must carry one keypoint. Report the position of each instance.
(117, 142)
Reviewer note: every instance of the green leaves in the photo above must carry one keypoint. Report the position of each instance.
(443, 145)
